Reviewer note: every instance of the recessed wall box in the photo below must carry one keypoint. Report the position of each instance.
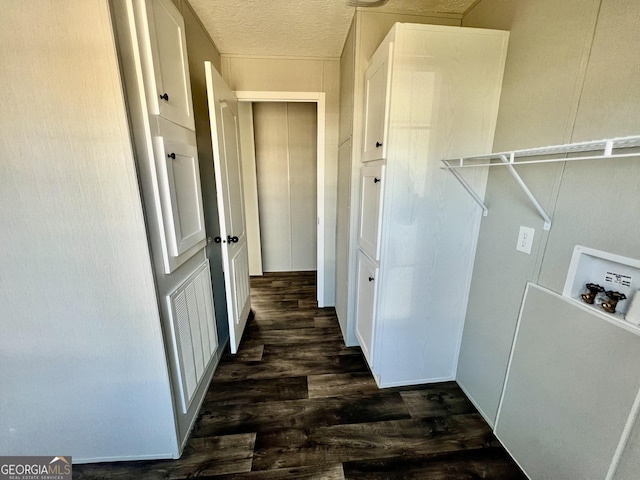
(613, 272)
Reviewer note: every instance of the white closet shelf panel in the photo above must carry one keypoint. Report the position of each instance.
(605, 148)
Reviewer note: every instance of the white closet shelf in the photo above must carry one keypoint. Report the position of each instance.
(598, 149)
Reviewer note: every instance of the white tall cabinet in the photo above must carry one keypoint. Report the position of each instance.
(431, 92)
(87, 346)
(155, 70)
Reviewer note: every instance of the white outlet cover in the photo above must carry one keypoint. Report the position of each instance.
(525, 239)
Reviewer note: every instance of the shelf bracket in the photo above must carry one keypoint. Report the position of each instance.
(509, 163)
(468, 188)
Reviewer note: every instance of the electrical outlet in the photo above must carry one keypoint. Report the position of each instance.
(525, 240)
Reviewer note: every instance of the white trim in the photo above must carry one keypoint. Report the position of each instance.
(481, 411)
(513, 347)
(624, 438)
(419, 381)
(319, 99)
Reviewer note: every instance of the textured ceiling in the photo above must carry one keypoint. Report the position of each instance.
(295, 28)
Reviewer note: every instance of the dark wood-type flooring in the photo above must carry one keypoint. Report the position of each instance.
(295, 403)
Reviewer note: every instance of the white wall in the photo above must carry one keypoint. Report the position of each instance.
(571, 75)
(83, 369)
(277, 74)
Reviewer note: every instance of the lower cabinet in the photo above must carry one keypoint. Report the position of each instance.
(193, 339)
(365, 306)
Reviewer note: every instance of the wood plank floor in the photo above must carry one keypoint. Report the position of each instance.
(295, 403)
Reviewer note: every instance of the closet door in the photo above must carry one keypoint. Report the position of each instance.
(165, 59)
(376, 114)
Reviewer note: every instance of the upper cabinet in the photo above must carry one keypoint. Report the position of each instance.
(159, 52)
(164, 60)
(376, 107)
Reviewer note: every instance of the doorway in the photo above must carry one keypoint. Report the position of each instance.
(317, 98)
(285, 136)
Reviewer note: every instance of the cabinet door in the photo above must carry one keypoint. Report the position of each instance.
(376, 112)
(180, 194)
(371, 189)
(165, 53)
(365, 306)
(194, 339)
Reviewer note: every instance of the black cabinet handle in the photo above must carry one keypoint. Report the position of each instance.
(378, 144)
(217, 239)
(172, 155)
(376, 179)
(233, 239)
(371, 279)
(165, 97)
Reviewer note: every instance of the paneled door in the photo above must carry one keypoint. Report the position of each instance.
(180, 194)
(376, 114)
(164, 58)
(223, 114)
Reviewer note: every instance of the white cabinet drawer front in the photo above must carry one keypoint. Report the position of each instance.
(164, 52)
(180, 194)
(365, 306)
(371, 191)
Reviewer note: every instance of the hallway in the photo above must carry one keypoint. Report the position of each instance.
(295, 403)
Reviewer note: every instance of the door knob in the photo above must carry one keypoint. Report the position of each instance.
(217, 239)
(371, 279)
(378, 144)
(171, 155)
(376, 179)
(233, 239)
(165, 97)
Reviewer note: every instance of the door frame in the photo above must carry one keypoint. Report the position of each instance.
(319, 99)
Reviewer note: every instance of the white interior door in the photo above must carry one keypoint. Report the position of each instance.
(223, 114)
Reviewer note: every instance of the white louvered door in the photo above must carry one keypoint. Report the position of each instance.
(194, 330)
